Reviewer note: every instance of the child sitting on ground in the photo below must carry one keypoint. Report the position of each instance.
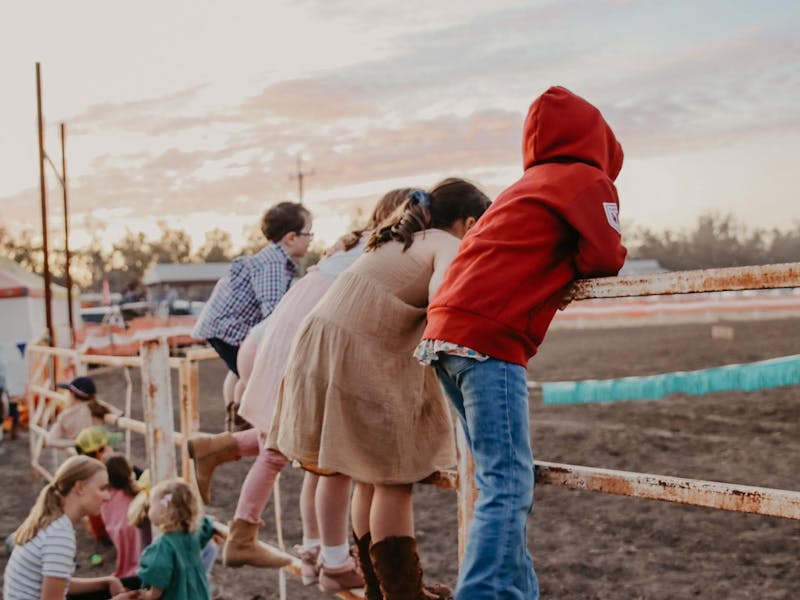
(84, 411)
(94, 442)
(42, 563)
(171, 568)
(125, 537)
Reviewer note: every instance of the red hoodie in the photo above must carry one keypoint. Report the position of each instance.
(558, 222)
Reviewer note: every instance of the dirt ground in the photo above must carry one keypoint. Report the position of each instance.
(585, 545)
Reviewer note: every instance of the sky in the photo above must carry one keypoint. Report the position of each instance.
(194, 114)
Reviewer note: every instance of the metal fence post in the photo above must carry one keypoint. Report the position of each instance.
(158, 418)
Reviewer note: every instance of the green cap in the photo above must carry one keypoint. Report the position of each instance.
(94, 438)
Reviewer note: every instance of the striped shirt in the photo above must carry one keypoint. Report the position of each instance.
(246, 296)
(50, 553)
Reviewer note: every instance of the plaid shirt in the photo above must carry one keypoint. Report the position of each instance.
(246, 296)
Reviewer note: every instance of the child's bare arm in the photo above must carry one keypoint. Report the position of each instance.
(61, 443)
(56, 437)
(441, 260)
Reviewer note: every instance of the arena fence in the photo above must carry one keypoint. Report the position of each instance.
(158, 425)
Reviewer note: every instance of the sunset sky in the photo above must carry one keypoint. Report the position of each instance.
(194, 113)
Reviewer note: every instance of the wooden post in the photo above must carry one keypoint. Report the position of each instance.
(43, 198)
(157, 399)
(66, 237)
(190, 416)
(128, 399)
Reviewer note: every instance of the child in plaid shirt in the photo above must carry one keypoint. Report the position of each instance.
(255, 284)
(251, 291)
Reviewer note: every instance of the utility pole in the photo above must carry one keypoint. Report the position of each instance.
(66, 236)
(43, 198)
(300, 175)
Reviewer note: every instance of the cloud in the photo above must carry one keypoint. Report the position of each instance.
(177, 181)
(316, 100)
(131, 115)
(710, 95)
(436, 100)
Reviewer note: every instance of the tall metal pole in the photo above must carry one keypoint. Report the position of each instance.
(45, 249)
(300, 177)
(66, 237)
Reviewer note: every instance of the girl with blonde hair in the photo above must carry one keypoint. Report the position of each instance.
(171, 567)
(43, 561)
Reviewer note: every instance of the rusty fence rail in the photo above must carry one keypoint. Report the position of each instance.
(162, 438)
(710, 494)
(724, 496)
(43, 400)
(730, 279)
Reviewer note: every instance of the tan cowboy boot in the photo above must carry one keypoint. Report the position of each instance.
(207, 452)
(242, 548)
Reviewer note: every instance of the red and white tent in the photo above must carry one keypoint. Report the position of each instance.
(22, 318)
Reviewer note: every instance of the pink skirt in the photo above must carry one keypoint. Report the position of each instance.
(259, 399)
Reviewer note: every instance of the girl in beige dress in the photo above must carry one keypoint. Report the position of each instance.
(261, 361)
(356, 404)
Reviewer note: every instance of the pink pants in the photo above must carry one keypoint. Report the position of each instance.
(258, 484)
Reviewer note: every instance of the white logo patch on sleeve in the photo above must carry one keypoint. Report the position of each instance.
(612, 215)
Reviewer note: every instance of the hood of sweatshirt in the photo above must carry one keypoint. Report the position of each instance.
(575, 132)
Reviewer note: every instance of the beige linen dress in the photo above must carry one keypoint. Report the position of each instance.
(354, 400)
(279, 329)
(258, 401)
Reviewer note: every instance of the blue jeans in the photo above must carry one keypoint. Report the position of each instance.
(208, 556)
(491, 398)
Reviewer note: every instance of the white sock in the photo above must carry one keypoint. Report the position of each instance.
(335, 556)
(311, 543)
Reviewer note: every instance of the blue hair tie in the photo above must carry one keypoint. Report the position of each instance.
(422, 197)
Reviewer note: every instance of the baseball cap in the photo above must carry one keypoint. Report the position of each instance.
(91, 439)
(94, 438)
(82, 387)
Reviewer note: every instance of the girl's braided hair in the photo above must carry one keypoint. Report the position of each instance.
(448, 202)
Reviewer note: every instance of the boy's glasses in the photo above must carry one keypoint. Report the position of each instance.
(308, 234)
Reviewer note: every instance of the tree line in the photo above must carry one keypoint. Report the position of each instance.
(716, 241)
(127, 259)
(713, 241)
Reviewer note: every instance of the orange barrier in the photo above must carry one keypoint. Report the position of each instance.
(126, 340)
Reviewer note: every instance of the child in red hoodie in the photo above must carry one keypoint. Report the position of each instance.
(558, 222)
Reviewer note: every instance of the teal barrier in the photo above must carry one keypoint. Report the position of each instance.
(776, 372)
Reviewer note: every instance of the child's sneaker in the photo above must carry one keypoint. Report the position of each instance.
(341, 578)
(309, 563)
